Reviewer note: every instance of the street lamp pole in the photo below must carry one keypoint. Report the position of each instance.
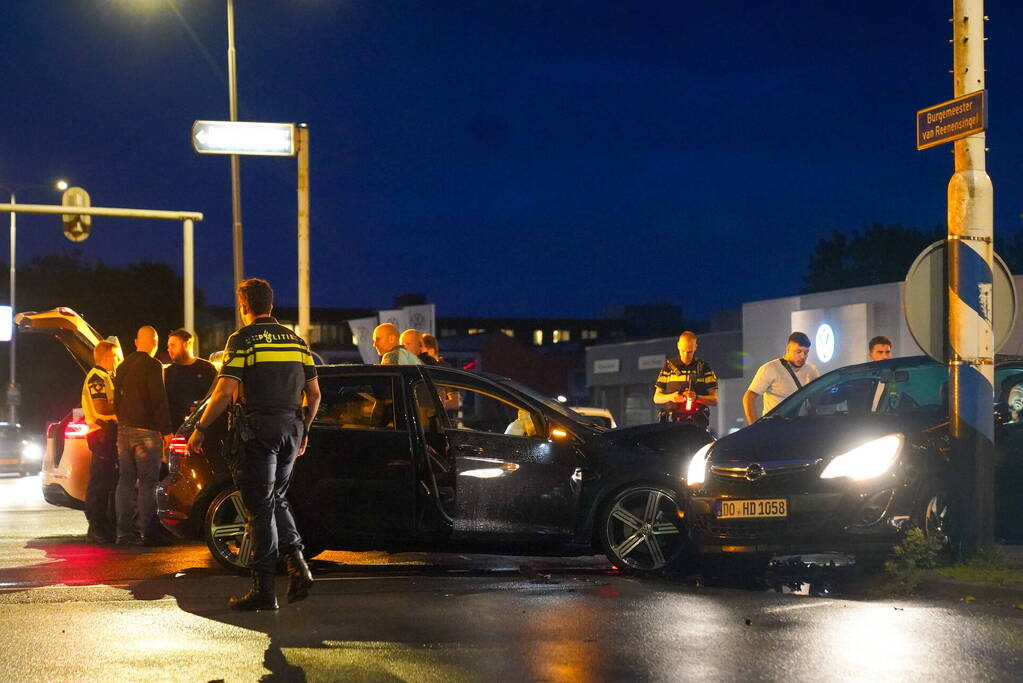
(13, 397)
(13, 394)
(236, 200)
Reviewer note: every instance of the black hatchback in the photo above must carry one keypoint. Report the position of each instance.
(846, 464)
(404, 458)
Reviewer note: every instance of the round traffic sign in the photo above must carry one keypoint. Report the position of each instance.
(925, 301)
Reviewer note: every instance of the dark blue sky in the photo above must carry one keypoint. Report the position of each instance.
(516, 157)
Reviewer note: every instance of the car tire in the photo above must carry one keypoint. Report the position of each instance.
(640, 530)
(933, 521)
(225, 531)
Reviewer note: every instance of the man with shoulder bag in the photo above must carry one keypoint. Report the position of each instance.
(778, 378)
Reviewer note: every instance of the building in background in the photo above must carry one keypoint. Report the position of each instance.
(839, 323)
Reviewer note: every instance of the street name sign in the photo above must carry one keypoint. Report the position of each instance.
(951, 120)
(244, 137)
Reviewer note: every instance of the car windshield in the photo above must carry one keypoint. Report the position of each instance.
(556, 406)
(917, 387)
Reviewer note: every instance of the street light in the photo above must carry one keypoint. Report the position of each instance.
(13, 394)
(236, 180)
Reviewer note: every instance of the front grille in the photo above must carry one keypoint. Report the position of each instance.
(754, 471)
(796, 524)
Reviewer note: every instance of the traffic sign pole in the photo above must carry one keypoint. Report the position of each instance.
(303, 232)
(971, 343)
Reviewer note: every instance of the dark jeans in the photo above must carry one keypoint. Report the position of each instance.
(262, 476)
(99, 495)
(139, 455)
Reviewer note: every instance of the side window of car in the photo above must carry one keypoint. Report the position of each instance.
(482, 411)
(357, 402)
(426, 408)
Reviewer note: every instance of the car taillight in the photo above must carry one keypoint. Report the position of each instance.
(76, 430)
(179, 445)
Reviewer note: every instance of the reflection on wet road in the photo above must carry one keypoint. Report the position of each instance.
(72, 611)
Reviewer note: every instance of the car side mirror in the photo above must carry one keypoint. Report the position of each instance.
(1002, 413)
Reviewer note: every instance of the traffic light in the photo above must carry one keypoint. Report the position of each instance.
(76, 226)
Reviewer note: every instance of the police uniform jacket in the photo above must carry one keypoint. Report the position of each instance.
(678, 376)
(272, 363)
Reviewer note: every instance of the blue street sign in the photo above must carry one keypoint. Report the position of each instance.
(951, 120)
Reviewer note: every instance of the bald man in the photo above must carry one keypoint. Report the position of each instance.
(143, 431)
(386, 342)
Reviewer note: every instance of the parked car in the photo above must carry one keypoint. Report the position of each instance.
(64, 475)
(514, 472)
(601, 417)
(19, 454)
(845, 465)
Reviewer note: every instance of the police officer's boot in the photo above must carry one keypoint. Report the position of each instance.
(263, 595)
(300, 579)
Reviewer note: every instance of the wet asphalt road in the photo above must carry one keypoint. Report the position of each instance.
(72, 611)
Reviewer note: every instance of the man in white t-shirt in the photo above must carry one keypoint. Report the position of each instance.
(778, 378)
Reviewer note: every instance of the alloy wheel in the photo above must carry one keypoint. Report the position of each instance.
(642, 529)
(227, 534)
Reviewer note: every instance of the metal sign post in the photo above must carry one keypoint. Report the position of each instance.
(187, 219)
(970, 281)
(269, 139)
(971, 343)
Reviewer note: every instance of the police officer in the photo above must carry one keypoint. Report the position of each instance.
(98, 405)
(271, 370)
(685, 377)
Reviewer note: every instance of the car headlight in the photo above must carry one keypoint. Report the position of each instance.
(697, 470)
(870, 460)
(31, 452)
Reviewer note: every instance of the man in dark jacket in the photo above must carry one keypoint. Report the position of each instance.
(144, 430)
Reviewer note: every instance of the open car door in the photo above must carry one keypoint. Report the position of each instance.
(70, 328)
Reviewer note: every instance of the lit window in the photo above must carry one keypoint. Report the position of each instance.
(476, 330)
(538, 337)
(510, 333)
(560, 336)
(448, 332)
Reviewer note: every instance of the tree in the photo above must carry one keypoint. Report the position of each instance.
(115, 301)
(881, 253)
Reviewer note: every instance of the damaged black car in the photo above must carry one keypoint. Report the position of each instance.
(404, 458)
(845, 466)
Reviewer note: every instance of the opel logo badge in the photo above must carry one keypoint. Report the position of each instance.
(755, 471)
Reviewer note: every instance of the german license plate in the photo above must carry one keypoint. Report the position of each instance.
(763, 507)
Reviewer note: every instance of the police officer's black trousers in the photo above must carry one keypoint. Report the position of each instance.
(99, 494)
(262, 474)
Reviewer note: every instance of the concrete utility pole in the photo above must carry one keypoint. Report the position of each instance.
(969, 249)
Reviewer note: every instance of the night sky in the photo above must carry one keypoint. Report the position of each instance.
(503, 157)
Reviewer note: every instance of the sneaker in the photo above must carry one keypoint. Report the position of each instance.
(129, 540)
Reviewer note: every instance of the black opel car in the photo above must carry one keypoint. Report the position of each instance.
(404, 458)
(845, 465)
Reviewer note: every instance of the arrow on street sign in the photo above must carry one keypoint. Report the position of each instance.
(244, 137)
